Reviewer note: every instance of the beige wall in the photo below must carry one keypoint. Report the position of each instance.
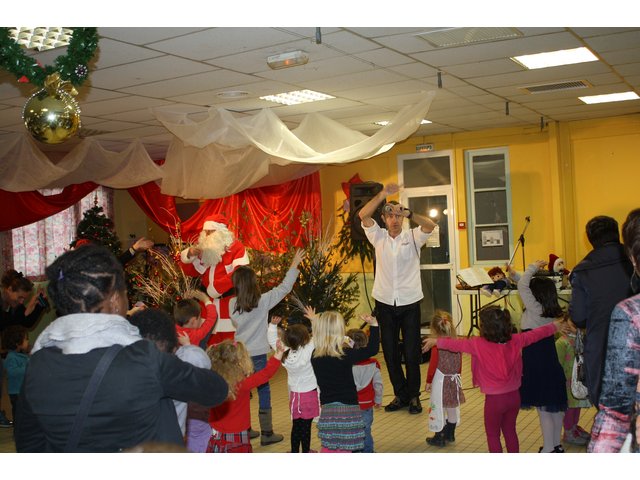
(131, 222)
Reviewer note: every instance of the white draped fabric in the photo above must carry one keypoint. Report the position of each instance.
(24, 168)
(212, 158)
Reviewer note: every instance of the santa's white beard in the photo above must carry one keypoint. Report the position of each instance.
(214, 245)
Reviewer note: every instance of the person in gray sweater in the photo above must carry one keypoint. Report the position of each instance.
(249, 311)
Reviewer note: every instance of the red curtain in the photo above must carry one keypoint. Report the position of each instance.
(266, 218)
(23, 208)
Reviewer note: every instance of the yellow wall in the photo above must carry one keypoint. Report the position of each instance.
(560, 177)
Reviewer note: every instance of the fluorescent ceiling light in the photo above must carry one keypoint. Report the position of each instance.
(384, 123)
(297, 97)
(611, 97)
(554, 59)
(41, 38)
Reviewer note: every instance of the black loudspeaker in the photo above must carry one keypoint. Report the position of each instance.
(359, 195)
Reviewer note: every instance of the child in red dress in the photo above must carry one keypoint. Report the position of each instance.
(230, 421)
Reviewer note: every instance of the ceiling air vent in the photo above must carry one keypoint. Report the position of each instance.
(451, 37)
(554, 87)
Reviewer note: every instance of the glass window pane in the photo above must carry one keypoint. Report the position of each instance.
(431, 171)
(491, 207)
(423, 206)
(489, 171)
(492, 243)
(436, 287)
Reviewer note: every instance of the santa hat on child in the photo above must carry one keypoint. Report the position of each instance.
(215, 222)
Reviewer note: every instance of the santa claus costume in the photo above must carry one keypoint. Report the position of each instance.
(220, 254)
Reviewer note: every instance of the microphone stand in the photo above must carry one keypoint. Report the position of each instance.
(521, 242)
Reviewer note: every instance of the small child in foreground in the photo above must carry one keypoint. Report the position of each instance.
(496, 365)
(444, 383)
(366, 375)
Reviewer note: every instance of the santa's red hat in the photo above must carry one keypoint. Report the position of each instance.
(552, 261)
(215, 222)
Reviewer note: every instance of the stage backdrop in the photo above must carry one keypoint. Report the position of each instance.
(265, 218)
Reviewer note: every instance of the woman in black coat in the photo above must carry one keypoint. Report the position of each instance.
(132, 404)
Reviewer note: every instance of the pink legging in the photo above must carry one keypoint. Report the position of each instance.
(500, 414)
(571, 418)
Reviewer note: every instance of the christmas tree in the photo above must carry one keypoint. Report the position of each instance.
(320, 284)
(96, 227)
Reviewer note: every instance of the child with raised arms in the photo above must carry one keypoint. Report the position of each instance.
(340, 427)
(496, 366)
(303, 387)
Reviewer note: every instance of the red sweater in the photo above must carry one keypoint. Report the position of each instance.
(497, 367)
(197, 334)
(234, 416)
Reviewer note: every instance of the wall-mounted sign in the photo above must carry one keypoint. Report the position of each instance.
(424, 147)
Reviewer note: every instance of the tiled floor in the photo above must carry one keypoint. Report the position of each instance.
(399, 432)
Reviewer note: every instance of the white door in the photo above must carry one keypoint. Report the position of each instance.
(437, 264)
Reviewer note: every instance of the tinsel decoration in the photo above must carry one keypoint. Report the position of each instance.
(160, 282)
(72, 67)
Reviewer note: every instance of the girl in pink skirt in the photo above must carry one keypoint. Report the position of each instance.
(303, 387)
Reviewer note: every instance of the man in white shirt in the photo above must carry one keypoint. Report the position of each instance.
(397, 290)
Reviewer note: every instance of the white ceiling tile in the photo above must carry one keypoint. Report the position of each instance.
(363, 79)
(621, 57)
(383, 57)
(219, 42)
(348, 42)
(629, 69)
(111, 52)
(146, 71)
(615, 41)
(124, 104)
(144, 35)
(479, 69)
(216, 80)
(383, 90)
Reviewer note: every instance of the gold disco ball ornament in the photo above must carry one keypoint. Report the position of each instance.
(51, 116)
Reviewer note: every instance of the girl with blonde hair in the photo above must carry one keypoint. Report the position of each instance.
(230, 421)
(340, 427)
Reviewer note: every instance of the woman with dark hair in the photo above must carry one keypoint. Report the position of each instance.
(543, 380)
(15, 309)
(87, 286)
(617, 409)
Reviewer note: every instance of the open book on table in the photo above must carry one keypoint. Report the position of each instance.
(474, 277)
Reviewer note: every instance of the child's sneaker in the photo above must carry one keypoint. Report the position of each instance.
(573, 437)
(4, 421)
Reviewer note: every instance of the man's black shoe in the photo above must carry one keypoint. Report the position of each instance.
(396, 404)
(414, 406)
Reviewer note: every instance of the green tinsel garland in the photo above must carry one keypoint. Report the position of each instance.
(72, 67)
